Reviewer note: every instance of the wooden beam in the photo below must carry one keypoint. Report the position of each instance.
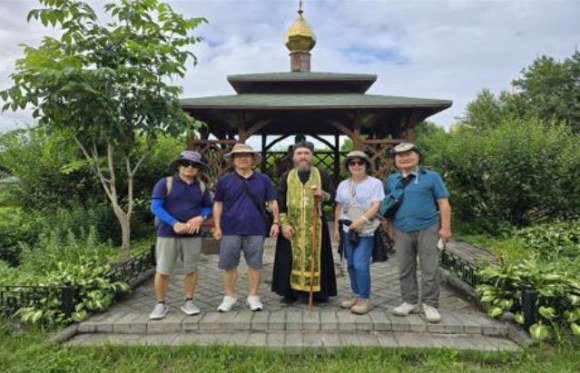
(342, 128)
(384, 141)
(254, 129)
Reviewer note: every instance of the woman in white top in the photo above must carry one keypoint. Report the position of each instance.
(357, 201)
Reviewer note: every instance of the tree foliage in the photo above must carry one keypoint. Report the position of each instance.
(105, 84)
(521, 172)
(547, 89)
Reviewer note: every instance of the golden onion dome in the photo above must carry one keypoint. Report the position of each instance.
(300, 37)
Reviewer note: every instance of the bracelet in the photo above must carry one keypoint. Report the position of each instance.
(275, 223)
(365, 219)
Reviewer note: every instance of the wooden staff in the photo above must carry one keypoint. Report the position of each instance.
(314, 248)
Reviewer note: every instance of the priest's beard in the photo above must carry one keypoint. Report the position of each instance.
(304, 166)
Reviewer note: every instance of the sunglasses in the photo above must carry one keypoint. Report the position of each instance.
(188, 164)
(356, 163)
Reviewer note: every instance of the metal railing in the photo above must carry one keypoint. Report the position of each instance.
(14, 297)
(468, 273)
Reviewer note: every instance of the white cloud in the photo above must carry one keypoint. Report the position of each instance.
(424, 48)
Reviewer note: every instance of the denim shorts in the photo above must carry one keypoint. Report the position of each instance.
(232, 246)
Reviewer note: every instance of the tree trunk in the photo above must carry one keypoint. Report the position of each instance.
(126, 236)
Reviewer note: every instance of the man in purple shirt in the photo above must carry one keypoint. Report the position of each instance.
(180, 203)
(240, 222)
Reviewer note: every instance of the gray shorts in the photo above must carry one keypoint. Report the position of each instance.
(168, 249)
(232, 246)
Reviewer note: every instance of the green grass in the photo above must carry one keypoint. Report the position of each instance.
(30, 351)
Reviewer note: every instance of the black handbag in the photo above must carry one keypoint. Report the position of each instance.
(382, 245)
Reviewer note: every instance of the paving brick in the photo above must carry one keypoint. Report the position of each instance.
(123, 325)
(275, 340)
(470, 324)
(256, 339)
(294, 320)
(380, 320)
(106, 325)
(170, 324)
(399, 323)
(243, 320)
(158, 339)
(363, 323)
(208, 322)
(293, 341)
(328, 320)
(349, 339)
(260, 321)
(331, 340)
(311, 320)
(277, 320)
(386, 340)
(346, 321)
(226, 322)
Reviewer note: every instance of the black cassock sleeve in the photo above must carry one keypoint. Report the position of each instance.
(282, 189)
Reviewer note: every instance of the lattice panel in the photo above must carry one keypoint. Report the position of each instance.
(213, 152)
(380, 155)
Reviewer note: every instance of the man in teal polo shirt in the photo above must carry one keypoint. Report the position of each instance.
(421, 220)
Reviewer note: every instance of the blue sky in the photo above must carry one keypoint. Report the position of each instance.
(420, 48)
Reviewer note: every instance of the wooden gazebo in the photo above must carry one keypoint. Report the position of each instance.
(276, 106)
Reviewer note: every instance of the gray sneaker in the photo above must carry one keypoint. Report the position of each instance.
(158, 312)
(190, 309)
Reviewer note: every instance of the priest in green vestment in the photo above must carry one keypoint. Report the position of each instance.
(303, 256)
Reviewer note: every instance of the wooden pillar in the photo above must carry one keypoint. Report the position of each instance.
(357, 139)
(410, 132)
(336, 159)
(264, 142)
(242, 128)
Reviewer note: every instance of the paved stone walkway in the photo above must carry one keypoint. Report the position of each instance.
(294, 326)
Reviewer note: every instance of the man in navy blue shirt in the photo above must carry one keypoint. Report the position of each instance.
(180, 203)
(422, 219)
(241, 224)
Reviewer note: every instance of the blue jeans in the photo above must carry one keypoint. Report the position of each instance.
(359, 266)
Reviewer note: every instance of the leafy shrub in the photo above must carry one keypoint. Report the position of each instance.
(93, 292)
(552, 241)
(557, 288)
(518, 173)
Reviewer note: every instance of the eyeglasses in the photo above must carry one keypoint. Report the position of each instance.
(356, 163)
(188, 164)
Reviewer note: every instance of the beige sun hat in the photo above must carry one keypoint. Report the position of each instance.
(358, 154)
(244, 149)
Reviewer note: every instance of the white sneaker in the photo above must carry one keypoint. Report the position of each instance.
(227, 304)
(159, 311)
(431, 313)
(405, 309)
(190, 309)
(254, 303)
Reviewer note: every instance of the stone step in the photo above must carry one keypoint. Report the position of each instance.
(297, 341)
(341, 321)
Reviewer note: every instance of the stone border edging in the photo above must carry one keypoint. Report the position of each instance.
(515, 333)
